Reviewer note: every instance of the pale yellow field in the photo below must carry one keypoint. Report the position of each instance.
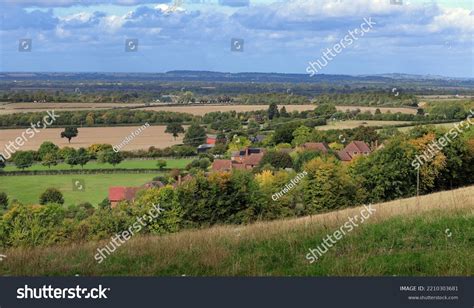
(202, 110)
(354, 124)
(152, 136)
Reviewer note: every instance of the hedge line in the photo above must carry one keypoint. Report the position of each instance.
(78, 171)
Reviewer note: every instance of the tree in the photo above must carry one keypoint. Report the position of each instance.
(23, 160)
(175, 129)
(71, 158)
(50, 159)
(284, 113)
(2, 161)
(111, 157)
(273, 111)
(195, 135)
(51, 195)
(325, 110)
(3, 200)
(277, 159)
(161, 164)
(301, 135)
(69, 133)
(82, 157)
(47, 148)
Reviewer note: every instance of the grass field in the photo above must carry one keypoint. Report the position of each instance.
(27, 189)
(429, 236)
(126, 164)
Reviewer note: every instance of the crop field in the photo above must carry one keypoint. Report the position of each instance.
(126, 164)
(354, 124)
(27, 189)
(6, 108)
(152, 136)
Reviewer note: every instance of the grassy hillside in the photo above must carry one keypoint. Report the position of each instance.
(429, 236)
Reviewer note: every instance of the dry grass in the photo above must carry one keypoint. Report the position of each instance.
(211, 249)
(356, 123)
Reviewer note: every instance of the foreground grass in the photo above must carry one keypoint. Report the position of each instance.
(28, 188)
(126, 164)
(403, 237)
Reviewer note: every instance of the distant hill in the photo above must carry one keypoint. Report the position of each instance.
(209, 76)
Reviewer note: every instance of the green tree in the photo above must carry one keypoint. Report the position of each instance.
(23, 159)
(284, 113)
(47, 148)
(301, 135)
(111, 157)
(82, 157)
(161, 164)
(277, 159)
(175, 129)
(195, 135)
(51, 195)
(273, 111)
(3, 200)
(69, 133)
(71, 158)
(50, 159)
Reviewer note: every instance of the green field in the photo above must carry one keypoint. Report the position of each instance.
(28, 188)
(126, 164)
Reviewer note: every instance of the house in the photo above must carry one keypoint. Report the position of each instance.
(315, 146)
(353, 149)
(247, 158)
(120, 193)
(257, 138)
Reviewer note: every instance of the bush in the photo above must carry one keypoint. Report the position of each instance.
(3, 200)
(51, 195)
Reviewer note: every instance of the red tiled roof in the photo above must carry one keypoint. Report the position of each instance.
(357, 146)
(318, 146)
(222, 164)
(344, 156)
(253, 159)
(122, 193)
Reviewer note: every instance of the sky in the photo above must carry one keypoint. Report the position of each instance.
(283, 36)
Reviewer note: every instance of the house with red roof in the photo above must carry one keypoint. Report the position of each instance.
(315, 146)
(247, 158)
(120, 193)
(353, 149)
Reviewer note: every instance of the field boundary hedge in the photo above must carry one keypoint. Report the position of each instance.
(80, 171)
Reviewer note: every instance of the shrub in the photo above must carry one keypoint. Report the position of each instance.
(51, 195)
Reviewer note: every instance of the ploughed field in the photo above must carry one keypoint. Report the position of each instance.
(151, 136)
(193, 109)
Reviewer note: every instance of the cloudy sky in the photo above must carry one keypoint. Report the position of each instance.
(417, 37)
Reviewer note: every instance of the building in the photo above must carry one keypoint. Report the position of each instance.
(119, 193)
(353, 149)
(247, 158)
(203, 148)
(211, 139)
(315, 146)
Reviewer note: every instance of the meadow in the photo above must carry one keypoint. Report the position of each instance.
(27, 189)
(126, 164)
(430, 235)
